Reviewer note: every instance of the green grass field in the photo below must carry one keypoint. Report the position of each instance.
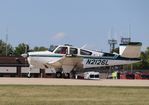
(72, 95)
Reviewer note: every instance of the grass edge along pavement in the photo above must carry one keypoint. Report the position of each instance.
(72, 95)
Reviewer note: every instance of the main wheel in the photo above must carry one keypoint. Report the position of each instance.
(58, 74)
(66, 75)
(73, 74)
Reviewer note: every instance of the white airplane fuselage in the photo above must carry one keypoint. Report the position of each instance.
(75, 58)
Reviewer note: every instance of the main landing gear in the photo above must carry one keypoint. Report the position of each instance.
(62, 75)
(58, 74)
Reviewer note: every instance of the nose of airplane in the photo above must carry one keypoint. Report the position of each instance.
(24, 55)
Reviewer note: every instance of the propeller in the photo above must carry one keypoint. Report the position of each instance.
(25, 55)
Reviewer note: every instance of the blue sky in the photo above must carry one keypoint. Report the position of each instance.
(77, 22)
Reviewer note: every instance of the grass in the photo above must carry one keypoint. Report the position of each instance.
(72, 95)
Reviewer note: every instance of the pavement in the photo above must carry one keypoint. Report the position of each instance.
(53, 81)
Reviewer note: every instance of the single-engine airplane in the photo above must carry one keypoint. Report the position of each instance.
(66, 58)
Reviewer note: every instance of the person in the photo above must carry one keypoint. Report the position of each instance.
(64, 50)
(114, 75)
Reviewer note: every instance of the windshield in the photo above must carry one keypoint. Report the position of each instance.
(52, 48)
(61, 50)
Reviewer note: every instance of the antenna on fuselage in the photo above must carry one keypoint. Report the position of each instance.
(84, 46)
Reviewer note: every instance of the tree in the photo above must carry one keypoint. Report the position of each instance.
(145, 58)
(5, 49)
(40, 48)
(21, 48)
(144, 64)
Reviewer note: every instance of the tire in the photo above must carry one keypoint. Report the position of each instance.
(29, 75)
(58, 74)
(66, 75)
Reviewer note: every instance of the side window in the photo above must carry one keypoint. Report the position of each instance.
(73, 51)
(84, 52)
(61, 50)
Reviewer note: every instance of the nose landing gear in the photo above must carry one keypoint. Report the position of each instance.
(29, 74)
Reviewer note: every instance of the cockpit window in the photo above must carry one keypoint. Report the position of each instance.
(84, 52)
(61, 50)
(52, 48)
(73, 51)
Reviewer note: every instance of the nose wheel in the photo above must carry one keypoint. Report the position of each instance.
(29, 74)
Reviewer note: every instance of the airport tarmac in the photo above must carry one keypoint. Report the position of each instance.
(52, 81)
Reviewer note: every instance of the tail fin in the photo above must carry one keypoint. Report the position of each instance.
(130, 50)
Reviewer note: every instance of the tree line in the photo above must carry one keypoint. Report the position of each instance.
(9, 50)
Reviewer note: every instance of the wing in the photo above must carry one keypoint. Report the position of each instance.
(66, 60)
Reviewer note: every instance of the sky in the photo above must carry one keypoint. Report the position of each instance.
(75, 22)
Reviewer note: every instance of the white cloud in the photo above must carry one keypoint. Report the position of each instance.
(59, 36)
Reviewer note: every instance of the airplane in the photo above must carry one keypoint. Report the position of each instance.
(67, 58)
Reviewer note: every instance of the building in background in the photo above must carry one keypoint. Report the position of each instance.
(17, 66)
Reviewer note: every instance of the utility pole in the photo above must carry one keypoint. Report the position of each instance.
(6, 42)
(129, 31)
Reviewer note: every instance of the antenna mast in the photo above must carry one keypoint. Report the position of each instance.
(112, 42)
(129, 31)
(6, 42)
